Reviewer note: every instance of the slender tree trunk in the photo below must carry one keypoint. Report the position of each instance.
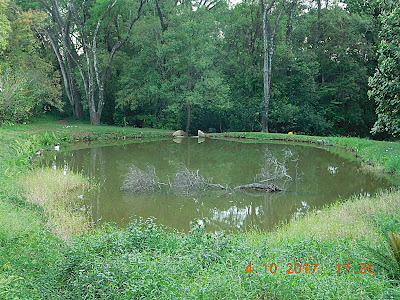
(66, 66)
(93, 79)
(264, 117)
(290, 22)
(76, 96)
(77, 107)
(188, 117)
(317, 29)
(268, 34)
(266, 76)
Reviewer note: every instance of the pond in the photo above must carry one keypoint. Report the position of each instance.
(183, 169)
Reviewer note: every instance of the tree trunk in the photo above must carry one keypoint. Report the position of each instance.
(65, 48)
(95, 120)
(317, 29)
(78, 111)
(264, 117)
(188, 117)
(77, 103)
(66, 66)
(268, 35)
(75, 96)
(290, 22)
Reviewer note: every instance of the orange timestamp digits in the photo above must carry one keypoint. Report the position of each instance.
(289, 269)
(363, 268)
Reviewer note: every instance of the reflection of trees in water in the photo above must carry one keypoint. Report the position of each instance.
(178, 211)
(189, 184)
(265, 210)
(195, 202)
(91, 162)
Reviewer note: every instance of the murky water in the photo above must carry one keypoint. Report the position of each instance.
(311, 177)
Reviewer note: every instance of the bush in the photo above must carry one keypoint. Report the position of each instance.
(28, 92)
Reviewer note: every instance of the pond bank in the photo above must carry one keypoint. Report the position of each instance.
(146, 261)
(380, 155)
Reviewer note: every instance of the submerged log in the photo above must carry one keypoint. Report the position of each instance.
(259, 187)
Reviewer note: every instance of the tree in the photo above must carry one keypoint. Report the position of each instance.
(268, 35)
(73, 35)
(29, 84)
(5, 26)
(385, 84)
(175, 77)
(346, 59)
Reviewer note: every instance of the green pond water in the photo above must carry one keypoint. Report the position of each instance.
(311, 178)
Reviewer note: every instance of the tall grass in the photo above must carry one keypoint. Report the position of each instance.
(353, 219)
(57, 192)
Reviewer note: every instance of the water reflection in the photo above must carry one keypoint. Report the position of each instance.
(311, 177)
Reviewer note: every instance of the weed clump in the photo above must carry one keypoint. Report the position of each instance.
(57, 192)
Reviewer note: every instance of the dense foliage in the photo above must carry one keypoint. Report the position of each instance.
(29, 83)
(385, 84)
(199, 64)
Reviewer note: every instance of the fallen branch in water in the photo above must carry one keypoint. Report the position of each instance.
(141, 181)
(186, 182)
(217, 186)
(259, 187)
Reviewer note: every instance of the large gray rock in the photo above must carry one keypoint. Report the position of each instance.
(179, 133)
(201, 134)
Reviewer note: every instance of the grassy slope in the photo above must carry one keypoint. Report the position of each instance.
(145, 261)
(28, 251)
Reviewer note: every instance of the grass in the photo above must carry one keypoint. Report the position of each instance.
(28, 253)
(352, 219)
(146, 261)
(57, 192)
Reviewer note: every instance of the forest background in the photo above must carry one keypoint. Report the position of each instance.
(334, 66)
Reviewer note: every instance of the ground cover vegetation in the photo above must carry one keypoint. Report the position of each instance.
(146, 260)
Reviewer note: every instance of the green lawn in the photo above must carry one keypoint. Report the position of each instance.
(145, 261)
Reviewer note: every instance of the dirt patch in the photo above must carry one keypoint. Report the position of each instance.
(63, 121)
(150, 130)
(35, 131)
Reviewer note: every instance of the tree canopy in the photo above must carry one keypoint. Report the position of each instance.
(385, 84)
(278, 66)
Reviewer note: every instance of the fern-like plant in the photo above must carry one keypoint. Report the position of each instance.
(394, 242)
(389, 261)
